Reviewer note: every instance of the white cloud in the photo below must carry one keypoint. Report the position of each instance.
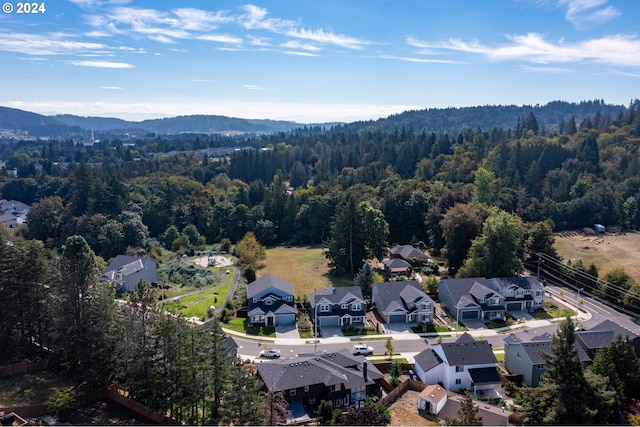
(421, 60)
(298, 53)
(221, 38)
(618, 50)
(583, 12)
(258, 41)
(251, 87)
(255, 18)
(102, 64)
(548, 70)
(33, 44)
(200, 20)
(294, 44)
(329, 37)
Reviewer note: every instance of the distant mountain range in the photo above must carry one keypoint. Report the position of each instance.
(450, 120)
(68, 125)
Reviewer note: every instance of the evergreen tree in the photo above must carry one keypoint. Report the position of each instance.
(467, 413)
(244, 404)
(365, 278)
(564, 371)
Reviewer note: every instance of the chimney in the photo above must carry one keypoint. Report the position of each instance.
(364, 371)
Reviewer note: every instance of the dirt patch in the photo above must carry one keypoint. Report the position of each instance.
(107, 412)
(213, 261)
(404, 411)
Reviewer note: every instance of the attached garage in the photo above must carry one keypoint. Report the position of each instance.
(397, 318)
(514, 306)
(329, 321)
(471, 314)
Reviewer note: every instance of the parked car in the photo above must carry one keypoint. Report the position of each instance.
(271, 353)
(361, 349)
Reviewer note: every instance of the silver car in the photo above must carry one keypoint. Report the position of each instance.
(271, 353)
(361, 349)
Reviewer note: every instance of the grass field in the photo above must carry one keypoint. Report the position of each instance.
(605, 251)
(304, 267)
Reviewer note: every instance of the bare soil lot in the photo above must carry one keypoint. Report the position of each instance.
(605, 251)
(404, 411)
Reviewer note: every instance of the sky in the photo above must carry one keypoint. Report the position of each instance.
(313, 61)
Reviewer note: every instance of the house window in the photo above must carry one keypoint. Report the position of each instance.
(306, 388)
(357, 320)
(325, 307)
(345, 306)
(458, 381)
(255, 300)
(425, 318)
(425, 306)
(333, 387)
(288, 298)
(268, 302)
(356, 306)
(496, 301)
(312, 400)
(460, 368)
(292, 392)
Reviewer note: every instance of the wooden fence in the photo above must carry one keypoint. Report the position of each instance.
(22, 368)
(398, 391)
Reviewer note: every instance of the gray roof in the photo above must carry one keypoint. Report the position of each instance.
(609, 325)
(133, 268)
(269, 282)
(491, 415)
(394, 294)
(525, 282)
(596, 339)
(485, 375)
(397, 263)
(467, 351)
(534, 348)
(335, 295)
(317, 368)
(409, 252)
(427, 359)
(458, 288)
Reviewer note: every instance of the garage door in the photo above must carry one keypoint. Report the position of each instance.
(329, 321)
(514, 306)
(470, 314)
(397, 318)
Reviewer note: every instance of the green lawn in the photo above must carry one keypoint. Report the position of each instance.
(240, 325)
(304, 267)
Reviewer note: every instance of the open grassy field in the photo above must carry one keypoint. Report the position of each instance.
(605, 251)
(304, 267)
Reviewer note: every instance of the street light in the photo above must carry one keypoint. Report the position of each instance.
(578, 296)
(315, 328)
(457, 318)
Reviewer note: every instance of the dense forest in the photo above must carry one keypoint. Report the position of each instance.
(486, 199)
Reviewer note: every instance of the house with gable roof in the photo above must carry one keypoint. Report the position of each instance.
(525, 357)
(271, 302)
(342, 306)
(398, 302)
(337, 377)
(126, 271)
(409, 253)
(463, 364)
(490, 299)
(604, 334)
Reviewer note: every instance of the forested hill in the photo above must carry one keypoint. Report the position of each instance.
(453, 120)
(68, 125)
(180, 124)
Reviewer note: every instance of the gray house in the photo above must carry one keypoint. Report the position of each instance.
(126, 271)
(398, 302)
(604, 334)
(489, 299)
(409, 253)
(337, 377)
(271, 302)
(338, 306)
(525, 357)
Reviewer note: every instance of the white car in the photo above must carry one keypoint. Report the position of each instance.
(361, 349)
(271, 353)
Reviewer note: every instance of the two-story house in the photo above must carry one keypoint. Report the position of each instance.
(463, 364)
(405, 301)
(525, 358)
(271, 302)
(337, 377)
(490, 299)
(126, 271)
(338, 306)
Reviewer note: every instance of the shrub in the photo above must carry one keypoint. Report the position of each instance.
(61, 403)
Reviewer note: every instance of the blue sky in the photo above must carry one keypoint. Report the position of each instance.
(314, 61)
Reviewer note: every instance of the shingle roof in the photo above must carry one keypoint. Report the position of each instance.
(467, 351)
(267, 282)
(533, 349)
(609, 325)
(394, 263)
(490, 415)
(317, 368)
(335, 295)
(391, 294)
(409, 252)
(485, 375)
(427, 359)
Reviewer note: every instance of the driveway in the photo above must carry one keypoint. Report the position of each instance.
(329, 331)
(287, 331)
